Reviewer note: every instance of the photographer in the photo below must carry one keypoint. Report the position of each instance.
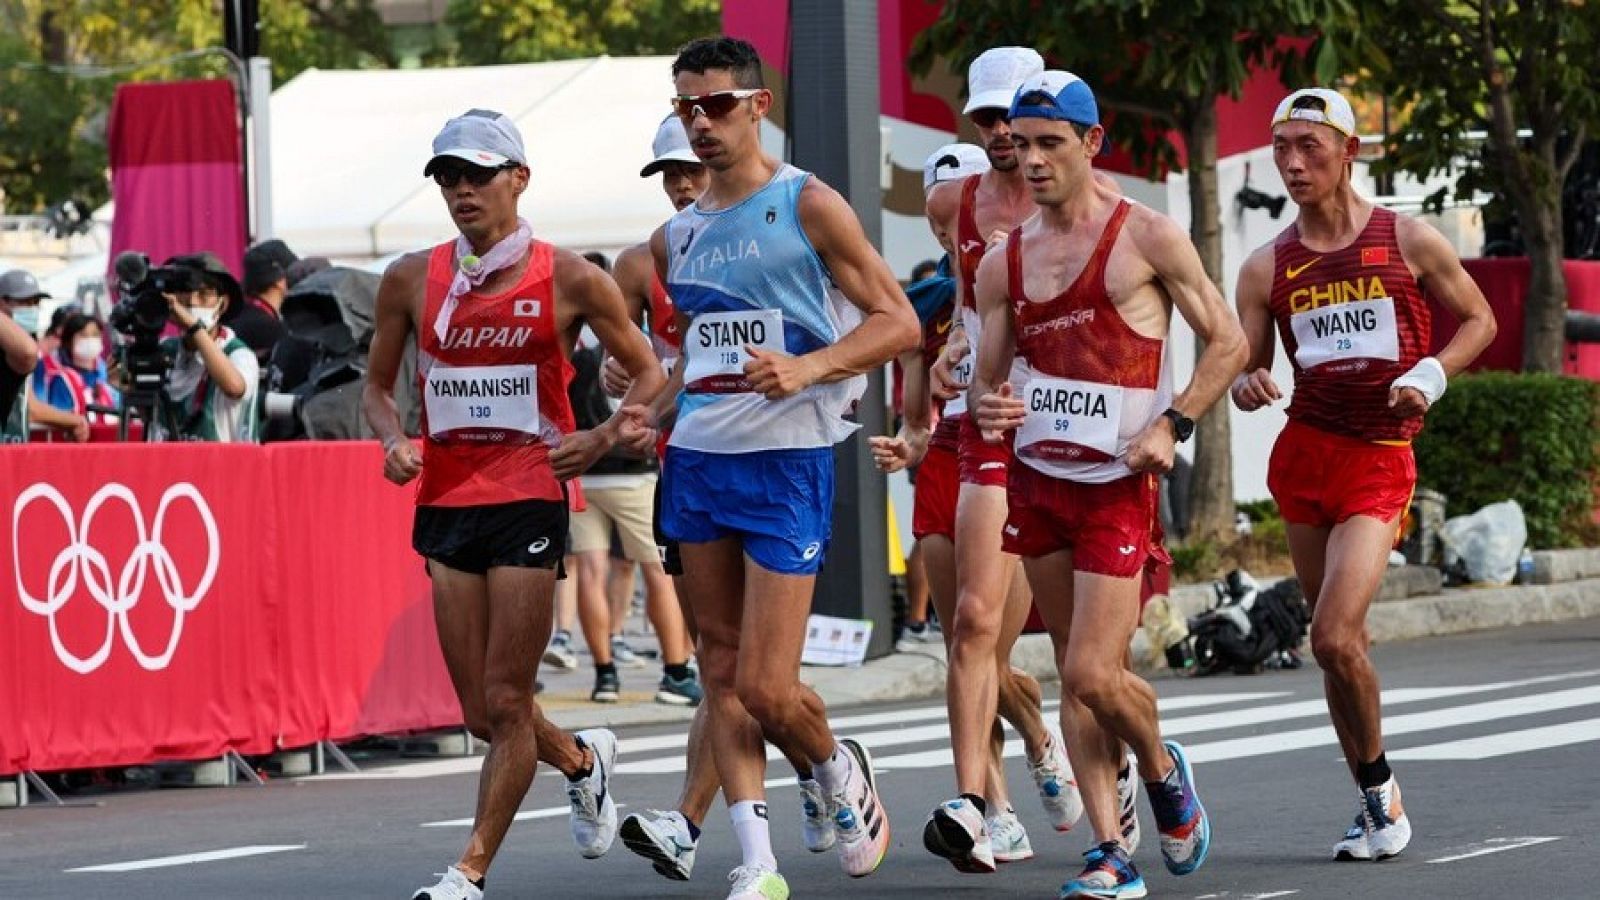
(18, 350)
(210, 392)
(257, 321)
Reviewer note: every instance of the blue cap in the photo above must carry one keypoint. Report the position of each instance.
(1070, 99)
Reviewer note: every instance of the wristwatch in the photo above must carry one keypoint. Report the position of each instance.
(1182, 425)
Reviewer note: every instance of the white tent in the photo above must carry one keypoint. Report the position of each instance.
(348, 149)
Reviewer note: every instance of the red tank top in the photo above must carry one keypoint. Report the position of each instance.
(1352, 321)
(1093, 382)
(970, 245)
(494, 390)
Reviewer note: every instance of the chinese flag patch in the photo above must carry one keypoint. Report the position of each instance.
(1374, 256)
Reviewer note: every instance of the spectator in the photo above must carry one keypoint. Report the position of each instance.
(257, 321)
(924, 270)
(52, 336)
(210, 394)
(76, 376)
(20, 295)
(19, 303)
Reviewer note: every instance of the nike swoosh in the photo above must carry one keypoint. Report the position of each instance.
(1290, 273)
(942, 326)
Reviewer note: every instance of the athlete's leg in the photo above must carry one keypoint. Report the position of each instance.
(772, 638)
(972, 683)
(916, 587)
(713, 581)
(619, 581)
(594, 610)
(700, 781)
(1020, 696)
(666, 615)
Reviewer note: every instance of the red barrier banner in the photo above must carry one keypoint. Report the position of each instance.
(174, 601)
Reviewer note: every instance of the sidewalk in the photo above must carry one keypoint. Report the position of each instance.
(1410, 606)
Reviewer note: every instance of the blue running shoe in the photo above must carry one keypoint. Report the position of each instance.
(1185, 828)
(1107, 873)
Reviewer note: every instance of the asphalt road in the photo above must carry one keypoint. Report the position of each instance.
(1495, 738)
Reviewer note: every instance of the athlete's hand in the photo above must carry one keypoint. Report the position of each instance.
(580, 449)
(998, 412)
(777, 375)
(1407, 402)
(906, 449)
(1253, 390)
(636, 430)
(942, 382)
(402, 462)
(1154, 447)
(615, 378)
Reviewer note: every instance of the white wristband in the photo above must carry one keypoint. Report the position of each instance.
(1426, 377)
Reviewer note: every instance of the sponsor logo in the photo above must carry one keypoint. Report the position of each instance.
(1127, 549)
(1012, 530)
(772, 214)
(991, 466)
(684, 250)
(941, 326)
(1292, 272)
(970, 246)
(539, 546)
(525, 308)
(811, 551)
(118, 591)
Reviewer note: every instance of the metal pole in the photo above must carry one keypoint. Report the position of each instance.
(260, 132)
(833, 83)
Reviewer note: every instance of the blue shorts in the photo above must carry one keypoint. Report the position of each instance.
(779, 503)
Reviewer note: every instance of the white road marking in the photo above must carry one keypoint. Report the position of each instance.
(1494, 845)
(188, 859)
(1506, 742)
(525, 815)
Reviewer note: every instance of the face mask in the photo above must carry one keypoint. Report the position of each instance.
(86, 351)
(27, 317)
(205, 315)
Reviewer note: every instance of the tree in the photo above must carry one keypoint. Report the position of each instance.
(1498, 65)
(1159, 66)
(490, 32)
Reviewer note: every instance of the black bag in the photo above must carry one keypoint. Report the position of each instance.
(1250, 628)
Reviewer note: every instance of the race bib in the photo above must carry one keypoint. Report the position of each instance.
(487, 403)
(714, 348)
(1363, 329)
(1070, 420)
(962, 373)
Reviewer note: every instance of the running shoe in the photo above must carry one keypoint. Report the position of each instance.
(918, 637)
(680, 692)
(664, 839)
(1185, 828)
(1384, 820)
(757, 883)
(816, 829)
(560, 655)
(1058, 790)
(1354, 846)
(624, 655)
(1008, 838)
(859, 818)
(1107, 873)
(1128, 797)
(452, 886)
(607, 688)
(594, 813)
(957, 831)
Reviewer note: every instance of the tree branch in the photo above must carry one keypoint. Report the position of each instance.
(1134, 108)
(1450, 23)
(1570, 158)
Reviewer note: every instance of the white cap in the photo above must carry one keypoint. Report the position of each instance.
(993, 78)
(952, 162)
(671, 145)
(482, 137)
(1318, 105)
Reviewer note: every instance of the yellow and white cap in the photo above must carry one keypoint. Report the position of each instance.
(1319, 105)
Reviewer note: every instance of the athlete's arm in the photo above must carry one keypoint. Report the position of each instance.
(584, 292)
(1255, 388)
(632, 271)
(392, 326)
(942, 208)
(891, 454)
(990, 397)
(889, 326)
(1439, 270)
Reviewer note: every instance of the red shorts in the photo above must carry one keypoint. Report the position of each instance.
(937, 489)
(1112, 529)
(1322, 479)
(983, 463)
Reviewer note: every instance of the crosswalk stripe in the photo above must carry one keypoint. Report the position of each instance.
(1506, 742)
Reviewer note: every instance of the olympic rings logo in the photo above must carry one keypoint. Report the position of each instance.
(118, 596)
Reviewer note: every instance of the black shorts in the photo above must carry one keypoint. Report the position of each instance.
(671, 560)
(527, 534)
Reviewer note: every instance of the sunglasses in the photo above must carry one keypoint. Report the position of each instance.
(714, 105)
(477, 176)
(988, 116)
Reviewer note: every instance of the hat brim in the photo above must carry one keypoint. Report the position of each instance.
(477, 157)
(660, 162)
(988, 100)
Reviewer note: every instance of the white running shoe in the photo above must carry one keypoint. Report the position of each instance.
(1008, 838)
(816, 829)
(594, 813)
(1058, 790)
(1128, 797)
(957, 831)
(1388, 829)
(859, 817)
(453, 886)
(757, 883)
(664, 839)
(623, 654)
(1354, 844)
(560, 655)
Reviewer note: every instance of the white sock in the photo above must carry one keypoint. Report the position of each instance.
(755, 838)
(832, 772)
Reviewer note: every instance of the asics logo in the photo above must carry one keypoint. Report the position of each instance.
(1290, 273)
(970, 246)
(1012, 530)
(539, 545)
(118, 593)
(1126, 549)
(811, 551)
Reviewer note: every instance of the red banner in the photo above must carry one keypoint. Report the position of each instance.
(174, 601)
